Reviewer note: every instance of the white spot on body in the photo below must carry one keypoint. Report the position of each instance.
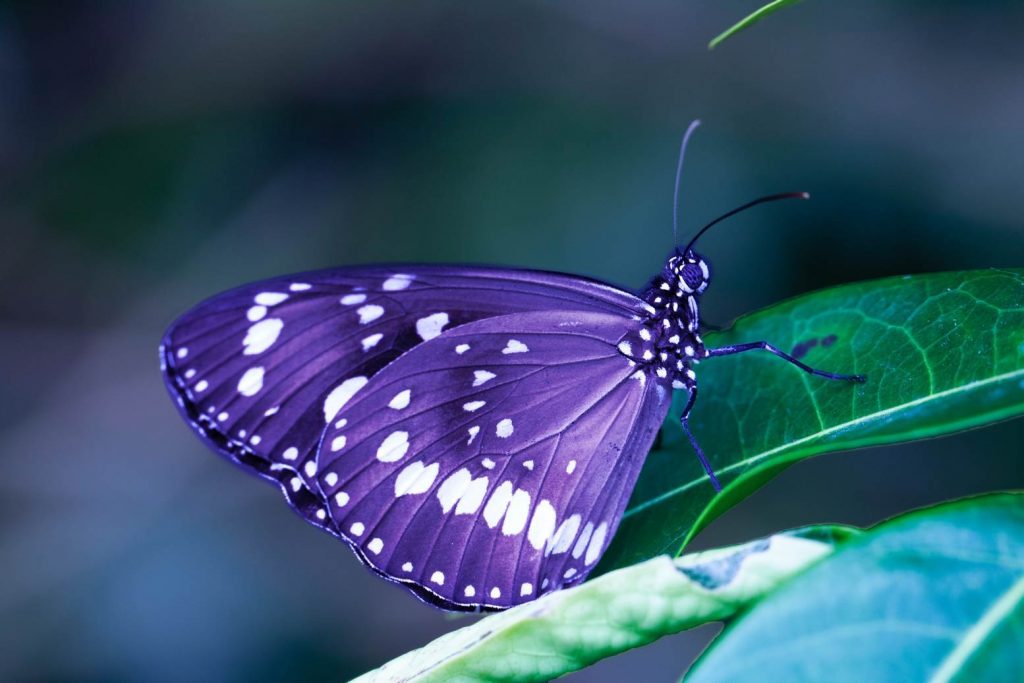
(375, 546)
(688, 350)
(482, 377)
(676, 384)
(662, 372)
(596, 544)
(371, 341)
(270, 298)
(504, 428)
(353, 299)
(262, 336)
(250, 383)
(461, 349)
(401, 400)
(542, 525)
(473, 406)
(518, 512)
(431, 326)
(438, 578)
(256, 313)
(357, 529)
(515, 346)
(394, 447)
(397, 282)
(290, 453)
(340, 395)
(639, 376)
(648, 354)
(415, 479)
(369, 313)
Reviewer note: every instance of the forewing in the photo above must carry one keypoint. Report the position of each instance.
(492, 463)
(261, 370)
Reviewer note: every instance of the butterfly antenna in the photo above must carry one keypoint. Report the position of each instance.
(728, 214)
(679, 173)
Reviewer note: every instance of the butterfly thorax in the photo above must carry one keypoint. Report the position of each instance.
(669, 341)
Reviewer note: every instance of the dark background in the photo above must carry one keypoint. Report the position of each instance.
(152, 154)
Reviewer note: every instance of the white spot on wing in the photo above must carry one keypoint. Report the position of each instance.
(369, 313)
(331, 478)
(270, 298)
(371, 341)
(310, 468)
(375, 546)
(473, 406)
(340, 395)
(341, 499)
(518, 512)
(262, 336)
(515, 346)
(626, 348)
(596, 544)
(256, 313)
(497, 504)
(487, 463)
(401, 400)
(527, 589)
(407, 567)
(397, 282)
(461, 349)
(482, 377)
(495, 593)
(528, 464)
(357, 529)
(290, 453)
(431, 326)
(452, 488)
(581, 542)
(566, 534)
(353, 299)
(504, 428)
(338, 442)
(393, 447)
(473, 431)
(470, 591)
(250, 383)
(570, 467)
(438, 578)
(415, 479)
(472, 496)
(299, 286)
(182, 352)
(542, 525)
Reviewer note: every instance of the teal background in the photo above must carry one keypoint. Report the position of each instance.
(152, 154)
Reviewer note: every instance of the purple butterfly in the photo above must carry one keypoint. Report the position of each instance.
(472, 433)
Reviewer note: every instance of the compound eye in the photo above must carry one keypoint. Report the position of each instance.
(693, 275)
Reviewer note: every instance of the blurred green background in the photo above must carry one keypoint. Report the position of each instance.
(152, 154)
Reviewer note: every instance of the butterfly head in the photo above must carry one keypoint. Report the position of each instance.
(688, 271)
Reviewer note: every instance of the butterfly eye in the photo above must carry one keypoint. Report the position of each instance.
(693, 275)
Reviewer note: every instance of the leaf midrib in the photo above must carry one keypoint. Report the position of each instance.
(975, 636)
(668, 495)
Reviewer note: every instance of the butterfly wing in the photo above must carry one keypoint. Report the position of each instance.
(492, 463)
(261, 370)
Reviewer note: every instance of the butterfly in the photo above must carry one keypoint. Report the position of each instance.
(472, 433)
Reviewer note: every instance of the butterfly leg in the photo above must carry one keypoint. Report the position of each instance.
(765, 346)
(685, 421)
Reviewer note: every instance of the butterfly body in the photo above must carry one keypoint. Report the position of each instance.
(471, 433)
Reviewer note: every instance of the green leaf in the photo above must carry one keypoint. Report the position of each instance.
(934, 595)
(750, 20)
(567, 630)
(941, 352)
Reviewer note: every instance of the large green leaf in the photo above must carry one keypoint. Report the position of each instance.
(941, 352)
(935, 595)
(567, 630)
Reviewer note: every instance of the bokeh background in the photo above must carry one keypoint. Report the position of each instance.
(152, 154)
